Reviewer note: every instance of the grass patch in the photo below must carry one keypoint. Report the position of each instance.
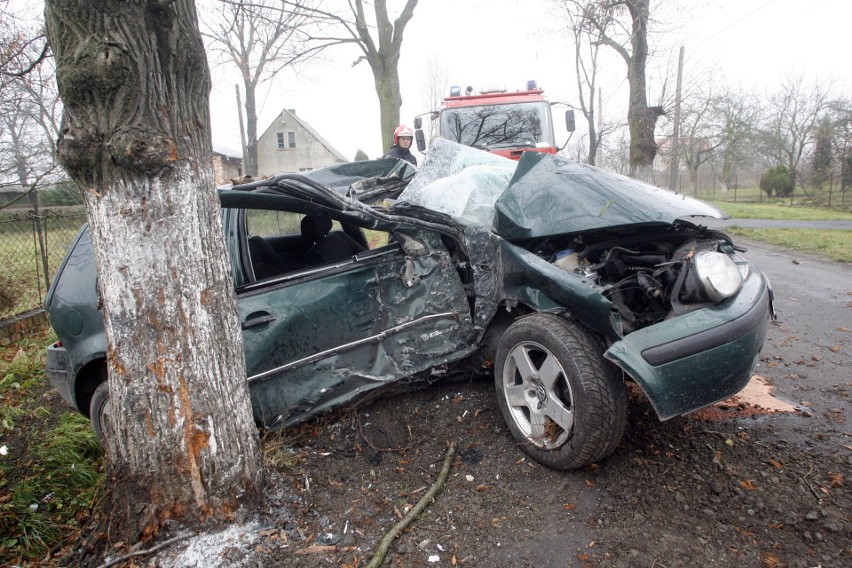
(50, 461)
(781, 212)
(833, 244)
(22, 270)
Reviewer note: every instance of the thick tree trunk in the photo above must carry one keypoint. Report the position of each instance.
(641, 119)
(386, 79)
(250, 163)
(133, 78)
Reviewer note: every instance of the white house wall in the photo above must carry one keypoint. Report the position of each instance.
(308, 154)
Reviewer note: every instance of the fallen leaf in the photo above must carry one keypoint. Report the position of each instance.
(454, 561)
(590, 483)
(836, 348)
(836, 479)
(748, 484)
(569, 506)
(843, 328)
(776, 526)
(770, 559)
(584, 556)
(776, 463)
(482, 487)
(593, 543)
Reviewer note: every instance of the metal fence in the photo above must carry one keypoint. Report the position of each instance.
(32, 246)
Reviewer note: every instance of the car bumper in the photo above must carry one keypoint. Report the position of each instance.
(702, 357)
(58, 370)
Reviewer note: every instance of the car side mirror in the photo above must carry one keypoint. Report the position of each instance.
(418, 122)
(421, 139)
(569, 120)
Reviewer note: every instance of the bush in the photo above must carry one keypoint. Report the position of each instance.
(778, 181)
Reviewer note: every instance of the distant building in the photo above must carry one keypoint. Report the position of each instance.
(227, 164)
(291, 145)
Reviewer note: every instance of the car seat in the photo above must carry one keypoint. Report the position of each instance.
(327, 246)
(265, 261)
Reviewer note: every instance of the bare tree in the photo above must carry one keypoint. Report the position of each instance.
(701, 136)
(29, 108)
(181, 442)
(587, 44)
(436, 79)
(623, 26)
(382, 53)
(791, 124)
(260, 39)
(738, 113)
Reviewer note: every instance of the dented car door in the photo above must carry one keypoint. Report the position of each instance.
(320, 336)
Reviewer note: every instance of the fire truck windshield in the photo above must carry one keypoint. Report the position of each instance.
(522, 125)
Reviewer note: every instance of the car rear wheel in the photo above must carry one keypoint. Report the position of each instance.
(563, 401)
(99, 411)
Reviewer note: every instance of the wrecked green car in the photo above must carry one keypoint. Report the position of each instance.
(366, 278)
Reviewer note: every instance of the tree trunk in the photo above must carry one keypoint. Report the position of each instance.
(386, 79)
(250, 163)
(133, 77)
(384, 58)
(641, 118)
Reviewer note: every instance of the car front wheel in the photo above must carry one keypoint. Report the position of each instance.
(563, 401)
(99, 411)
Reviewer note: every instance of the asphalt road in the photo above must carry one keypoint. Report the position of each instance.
(808, 353)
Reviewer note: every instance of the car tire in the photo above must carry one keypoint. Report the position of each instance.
(99, 411)
(564, 403)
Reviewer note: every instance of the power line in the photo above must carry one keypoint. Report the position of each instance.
(732, 24)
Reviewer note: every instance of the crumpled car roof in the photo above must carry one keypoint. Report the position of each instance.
(542, 195)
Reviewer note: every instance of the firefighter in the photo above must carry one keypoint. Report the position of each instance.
(402, 139)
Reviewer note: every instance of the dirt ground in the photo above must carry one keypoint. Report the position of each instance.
(733, 486)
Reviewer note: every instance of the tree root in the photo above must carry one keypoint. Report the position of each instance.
(396, 530)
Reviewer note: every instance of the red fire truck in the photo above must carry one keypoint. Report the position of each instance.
(508, 123)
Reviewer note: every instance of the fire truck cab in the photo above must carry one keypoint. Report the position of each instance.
(507, 123)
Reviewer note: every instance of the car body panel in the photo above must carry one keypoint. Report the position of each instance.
(346, 329)
(548, 194)
(696, 377)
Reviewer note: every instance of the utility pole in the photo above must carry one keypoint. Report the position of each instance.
(676, 130)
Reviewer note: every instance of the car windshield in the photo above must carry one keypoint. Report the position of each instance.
(524, 125)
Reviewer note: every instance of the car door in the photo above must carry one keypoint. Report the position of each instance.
(323, 335)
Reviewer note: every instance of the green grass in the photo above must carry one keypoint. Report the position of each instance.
(22, 280)
(779, 211)
(51, 464)
(832, 244)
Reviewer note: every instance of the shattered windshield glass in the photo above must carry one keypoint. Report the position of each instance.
(460, 181)
(499, 126)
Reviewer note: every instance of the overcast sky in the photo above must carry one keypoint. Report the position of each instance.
(749, 42)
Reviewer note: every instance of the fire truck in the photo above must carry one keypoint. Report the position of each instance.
(507, 123)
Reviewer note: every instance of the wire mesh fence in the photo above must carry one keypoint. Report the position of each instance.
(32, 246)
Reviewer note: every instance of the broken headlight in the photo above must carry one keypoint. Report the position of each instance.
(718, 275)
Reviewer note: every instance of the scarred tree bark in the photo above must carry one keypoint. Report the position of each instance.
(133, 78)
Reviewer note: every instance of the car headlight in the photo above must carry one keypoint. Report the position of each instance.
(718, 275)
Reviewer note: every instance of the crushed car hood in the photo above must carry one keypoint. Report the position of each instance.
(549, 195)
(542, 195)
